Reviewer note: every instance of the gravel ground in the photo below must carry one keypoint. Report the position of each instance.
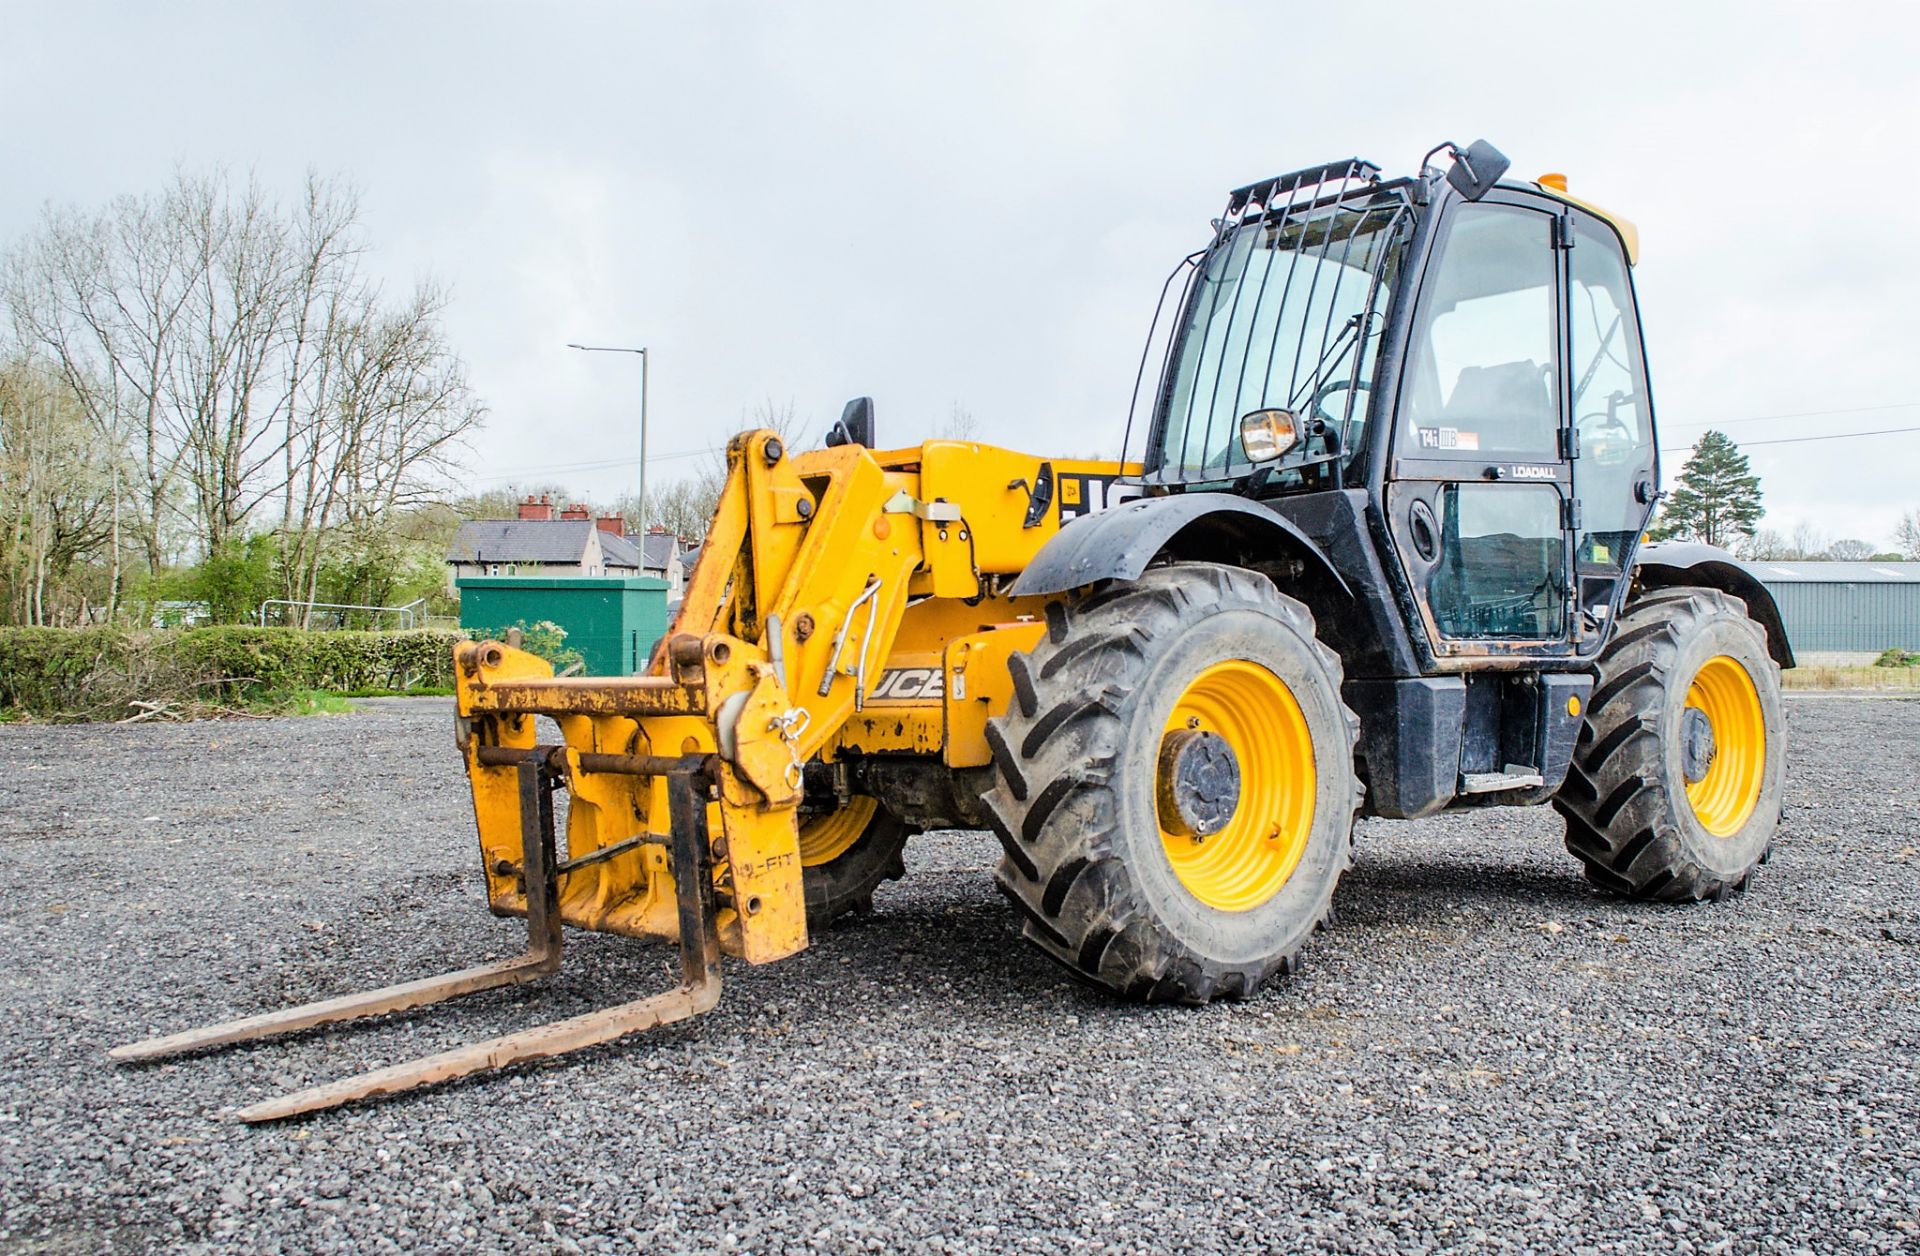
(1483, 1053)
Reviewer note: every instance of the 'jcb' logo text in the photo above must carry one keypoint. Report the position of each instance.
(909, 684)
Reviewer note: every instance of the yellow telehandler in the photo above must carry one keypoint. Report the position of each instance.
(1382, 555)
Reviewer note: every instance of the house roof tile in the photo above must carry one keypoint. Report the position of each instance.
(520, 541)
(661, 547)
(619, 550)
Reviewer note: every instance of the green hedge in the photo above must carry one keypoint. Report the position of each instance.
(97, 673)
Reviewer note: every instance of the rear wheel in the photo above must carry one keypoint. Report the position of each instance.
(845, 853)
(1176, 789)
(1674, 792)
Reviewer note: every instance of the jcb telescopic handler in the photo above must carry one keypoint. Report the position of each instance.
(1382, 556)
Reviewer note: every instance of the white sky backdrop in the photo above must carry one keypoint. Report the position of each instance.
(975, 204)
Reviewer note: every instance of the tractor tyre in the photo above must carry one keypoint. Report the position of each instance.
(1175, 787)
(845, 853)
(1675, 787)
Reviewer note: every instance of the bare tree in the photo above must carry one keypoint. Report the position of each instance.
(257, 375)
(102, 297)
(55, 478)
(397, 410)
(234, 321)
(504, 502)
(685, 506)
(959, 425)
(1807, 543)
(1766, 544)
(1907, 534)
(326, 290)
(782, 416)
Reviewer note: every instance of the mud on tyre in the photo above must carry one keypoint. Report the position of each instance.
(1130, 719)
(845, 853)
(1675, 787)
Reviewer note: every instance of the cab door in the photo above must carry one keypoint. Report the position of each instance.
(1479, 492)
(1617, 463)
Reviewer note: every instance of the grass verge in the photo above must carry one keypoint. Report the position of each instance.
(1858, 678)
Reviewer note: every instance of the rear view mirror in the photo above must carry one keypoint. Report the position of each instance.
(1475, 171)
(855, 426)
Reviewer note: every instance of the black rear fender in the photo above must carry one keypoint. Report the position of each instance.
(1667, 563)
(1120, 543)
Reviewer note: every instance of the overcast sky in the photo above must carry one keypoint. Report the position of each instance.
(975, 204)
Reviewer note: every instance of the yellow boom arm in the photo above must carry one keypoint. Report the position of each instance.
(817, 567)
(820, 572)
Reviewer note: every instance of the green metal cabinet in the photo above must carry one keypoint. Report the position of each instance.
(612, 621)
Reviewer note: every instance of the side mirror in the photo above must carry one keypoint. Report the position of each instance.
(1475, 171)
(855, 426)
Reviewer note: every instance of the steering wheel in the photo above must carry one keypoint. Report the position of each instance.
(1332, 386)
(1612, 439)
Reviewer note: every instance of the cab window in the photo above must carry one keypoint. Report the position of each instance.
(1610, 411)
(1482, 367)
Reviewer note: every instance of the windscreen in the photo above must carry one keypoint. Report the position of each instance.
(1287, 313)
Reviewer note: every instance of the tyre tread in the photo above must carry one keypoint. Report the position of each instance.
(1619, 821)
(1055, 807)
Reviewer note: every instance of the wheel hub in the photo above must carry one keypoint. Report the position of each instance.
(1723, 735)
(1235, 785)
(1199, 783)
(1697, 746)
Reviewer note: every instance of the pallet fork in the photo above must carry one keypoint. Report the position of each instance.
(689, 779)
(686, 780)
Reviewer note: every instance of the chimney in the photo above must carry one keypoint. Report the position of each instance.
(536, 510)
(576, 511)
(611, 523)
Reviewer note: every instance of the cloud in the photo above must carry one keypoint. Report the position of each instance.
(978, 203)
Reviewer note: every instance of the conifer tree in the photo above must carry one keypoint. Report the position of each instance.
(1716, 498)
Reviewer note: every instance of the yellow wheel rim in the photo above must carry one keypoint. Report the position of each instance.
(1725, 797)
(1249, 860)
(826, 838)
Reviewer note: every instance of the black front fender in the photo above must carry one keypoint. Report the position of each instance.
(1665, 563)
(1118, 544)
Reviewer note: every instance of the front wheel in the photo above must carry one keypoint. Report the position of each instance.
(845, 853)
(1176, 788)
(1675, 787)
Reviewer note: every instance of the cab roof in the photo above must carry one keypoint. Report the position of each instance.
(1628, 233)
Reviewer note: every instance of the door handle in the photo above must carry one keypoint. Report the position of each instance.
(1423, 530)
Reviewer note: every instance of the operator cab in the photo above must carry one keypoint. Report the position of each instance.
(1460, 353)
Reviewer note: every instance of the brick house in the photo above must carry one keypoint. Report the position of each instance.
(538, 544)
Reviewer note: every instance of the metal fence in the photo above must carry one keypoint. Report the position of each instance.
(404, 617)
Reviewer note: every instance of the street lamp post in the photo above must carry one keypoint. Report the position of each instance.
(645, 365)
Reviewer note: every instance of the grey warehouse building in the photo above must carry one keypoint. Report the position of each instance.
(1852, 608)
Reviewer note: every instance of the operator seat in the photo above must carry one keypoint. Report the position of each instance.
(1508, 405)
